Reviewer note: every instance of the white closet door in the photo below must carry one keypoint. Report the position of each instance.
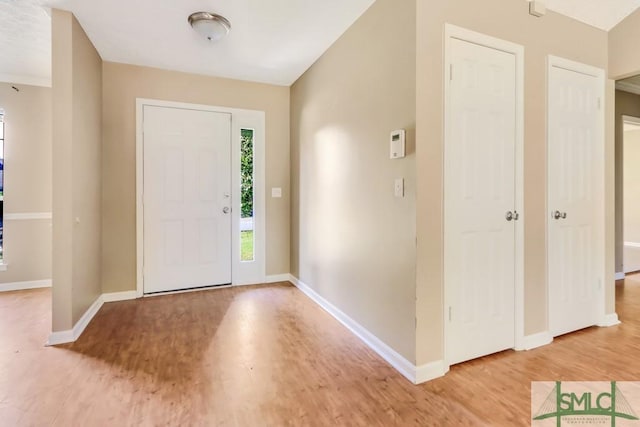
(187, 199)
(479, 195)
(573, 199)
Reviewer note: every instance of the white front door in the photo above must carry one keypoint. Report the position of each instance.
(573, 138)
(479, 199)
(187, 198)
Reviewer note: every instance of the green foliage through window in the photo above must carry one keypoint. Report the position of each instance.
(246, 172)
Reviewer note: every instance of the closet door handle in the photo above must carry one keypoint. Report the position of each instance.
(559, 215)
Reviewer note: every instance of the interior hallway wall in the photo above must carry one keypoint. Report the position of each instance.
(77, 212)
(624, 59)
(352, 241)
(27, 182)
(122, 84)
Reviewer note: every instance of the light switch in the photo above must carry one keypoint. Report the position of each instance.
(276, 192)
(399, 187)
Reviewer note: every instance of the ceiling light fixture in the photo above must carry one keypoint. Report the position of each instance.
(209, 25)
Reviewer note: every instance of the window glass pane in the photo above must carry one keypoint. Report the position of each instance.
(247, 226)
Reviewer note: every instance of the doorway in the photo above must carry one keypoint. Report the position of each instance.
(191, 185)
(631, 194)
(575, 195)
(482, 195)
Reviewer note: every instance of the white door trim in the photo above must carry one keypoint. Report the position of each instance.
(241, 272)
(631, 120)
(558, 62)
(455, 32)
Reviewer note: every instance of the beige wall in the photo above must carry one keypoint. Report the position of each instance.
(77, 115)
(352, 241)
(552, 34)
(122, 84)
(627, 104)
(27, 181)
(624, 58)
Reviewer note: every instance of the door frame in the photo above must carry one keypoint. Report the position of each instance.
(454, 32)
(633, 120)
(600, 262)
(242, 273)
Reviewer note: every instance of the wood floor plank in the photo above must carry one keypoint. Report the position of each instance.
(268, 356)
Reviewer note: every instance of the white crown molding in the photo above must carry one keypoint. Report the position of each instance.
(25, 80)
(628, 87)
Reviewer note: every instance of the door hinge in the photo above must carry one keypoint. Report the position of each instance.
(599, 103)
(450, 313)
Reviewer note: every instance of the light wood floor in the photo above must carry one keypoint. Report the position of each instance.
(267, 356)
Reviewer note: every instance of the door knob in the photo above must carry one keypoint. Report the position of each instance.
(226, 210)
(509, 216)
(559, 215)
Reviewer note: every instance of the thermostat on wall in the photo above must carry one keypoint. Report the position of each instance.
(397, 143)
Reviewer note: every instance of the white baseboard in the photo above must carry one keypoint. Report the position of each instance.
(21, 286)
(619, 276)
(278, 278)
(430, 371)
(64, 337)
(402, 365)
(68, 336)
(609, 320)
(119, 296)
(540, 339)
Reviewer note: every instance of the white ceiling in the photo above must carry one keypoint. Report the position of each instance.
(603, 14)
(25, 42)
(272, 41)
